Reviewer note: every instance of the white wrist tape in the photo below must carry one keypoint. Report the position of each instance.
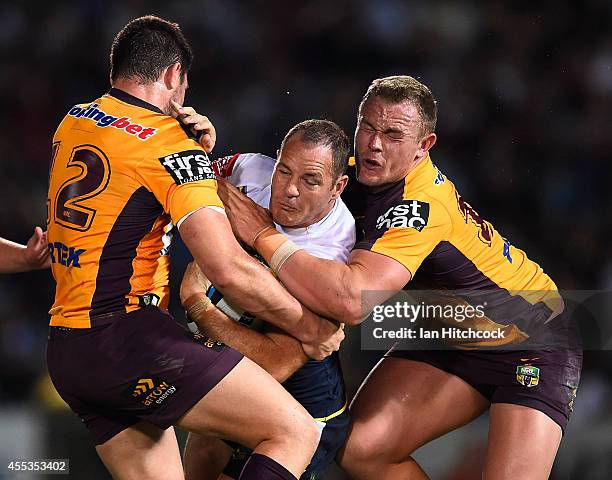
(281, 255)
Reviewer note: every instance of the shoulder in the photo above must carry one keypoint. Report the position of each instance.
(254, 169)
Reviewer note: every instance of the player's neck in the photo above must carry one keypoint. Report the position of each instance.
(152, 93)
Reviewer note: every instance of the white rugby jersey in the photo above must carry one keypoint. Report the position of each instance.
(331, 238)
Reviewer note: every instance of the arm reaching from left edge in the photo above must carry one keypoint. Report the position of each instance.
(15, 257)
(330, 288)
(276, 352)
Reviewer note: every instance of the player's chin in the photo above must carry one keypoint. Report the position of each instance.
(285, 218)
(369, 178)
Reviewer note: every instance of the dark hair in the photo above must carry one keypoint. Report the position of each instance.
(401, 88)
(147, 45)
(324, 133)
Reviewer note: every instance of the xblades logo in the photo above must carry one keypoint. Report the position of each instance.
(408, 214)
(188, 166)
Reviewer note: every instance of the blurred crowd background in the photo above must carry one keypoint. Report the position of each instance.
(524, 91)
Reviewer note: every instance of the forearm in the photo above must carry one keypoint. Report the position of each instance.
(243, 280)
(277, 353)
(12, 257)
(346, 293)
(258, 292)
(331, 289)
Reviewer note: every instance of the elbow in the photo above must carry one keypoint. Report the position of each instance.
(223, 276)
(351, 312)
(224, 281)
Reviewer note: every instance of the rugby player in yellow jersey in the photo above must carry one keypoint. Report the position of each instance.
(123, 171)
(417, 223)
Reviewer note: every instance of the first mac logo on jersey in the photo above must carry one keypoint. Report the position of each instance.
(408, 214)
(188, 166)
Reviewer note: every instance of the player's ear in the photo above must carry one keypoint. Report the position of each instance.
(339, 186)
(172, 76)
(425, 144)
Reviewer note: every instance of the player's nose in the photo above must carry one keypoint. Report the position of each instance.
(374, 142)
(291, 189)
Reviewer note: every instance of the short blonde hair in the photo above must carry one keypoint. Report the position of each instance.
(400, 88)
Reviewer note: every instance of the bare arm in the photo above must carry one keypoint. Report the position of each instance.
(246, 282)
(15, 257)
(275, 351)
(345, 292)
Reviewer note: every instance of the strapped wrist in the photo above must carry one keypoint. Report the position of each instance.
(197, 304)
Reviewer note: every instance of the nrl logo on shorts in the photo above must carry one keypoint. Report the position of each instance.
(528, 375)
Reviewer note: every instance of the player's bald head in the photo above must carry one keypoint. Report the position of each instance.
(404, 88)
(145, 47)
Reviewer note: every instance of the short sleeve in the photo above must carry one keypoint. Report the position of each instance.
(407, 232)
(181, 177)
(252, 169)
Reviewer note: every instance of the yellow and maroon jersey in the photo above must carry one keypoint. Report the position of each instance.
(122, 173)
(423, 223)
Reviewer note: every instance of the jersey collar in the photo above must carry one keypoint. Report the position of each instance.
(132, 100)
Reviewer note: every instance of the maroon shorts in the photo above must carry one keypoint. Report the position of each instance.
(140, 366)
(545, 380)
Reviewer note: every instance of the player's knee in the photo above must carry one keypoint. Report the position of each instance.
(204, 447)
(362, 450)
(299, 430)
(304, 431)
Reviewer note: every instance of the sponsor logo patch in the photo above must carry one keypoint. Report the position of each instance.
(573, 393)
(439, 177)
(65, 255)
(188, 166)
(148, 299)
(150, 390)
(224, 166)
(506, 251)
(102, 120)
(208, 342)
(485, 231)
(528, 375)
(408, 214)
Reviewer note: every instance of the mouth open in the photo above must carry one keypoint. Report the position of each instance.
(371, 164)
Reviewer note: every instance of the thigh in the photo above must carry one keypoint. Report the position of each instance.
(142, 452)
(205, 457)
(247, 406)
(522, 443)
(147, 368)
(544, 380)
(404, 404)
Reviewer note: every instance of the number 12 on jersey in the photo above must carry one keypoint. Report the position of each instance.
(89, 173)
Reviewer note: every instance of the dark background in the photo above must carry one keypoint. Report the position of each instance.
(524, 131)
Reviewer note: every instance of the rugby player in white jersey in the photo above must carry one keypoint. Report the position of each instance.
(302, 191)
